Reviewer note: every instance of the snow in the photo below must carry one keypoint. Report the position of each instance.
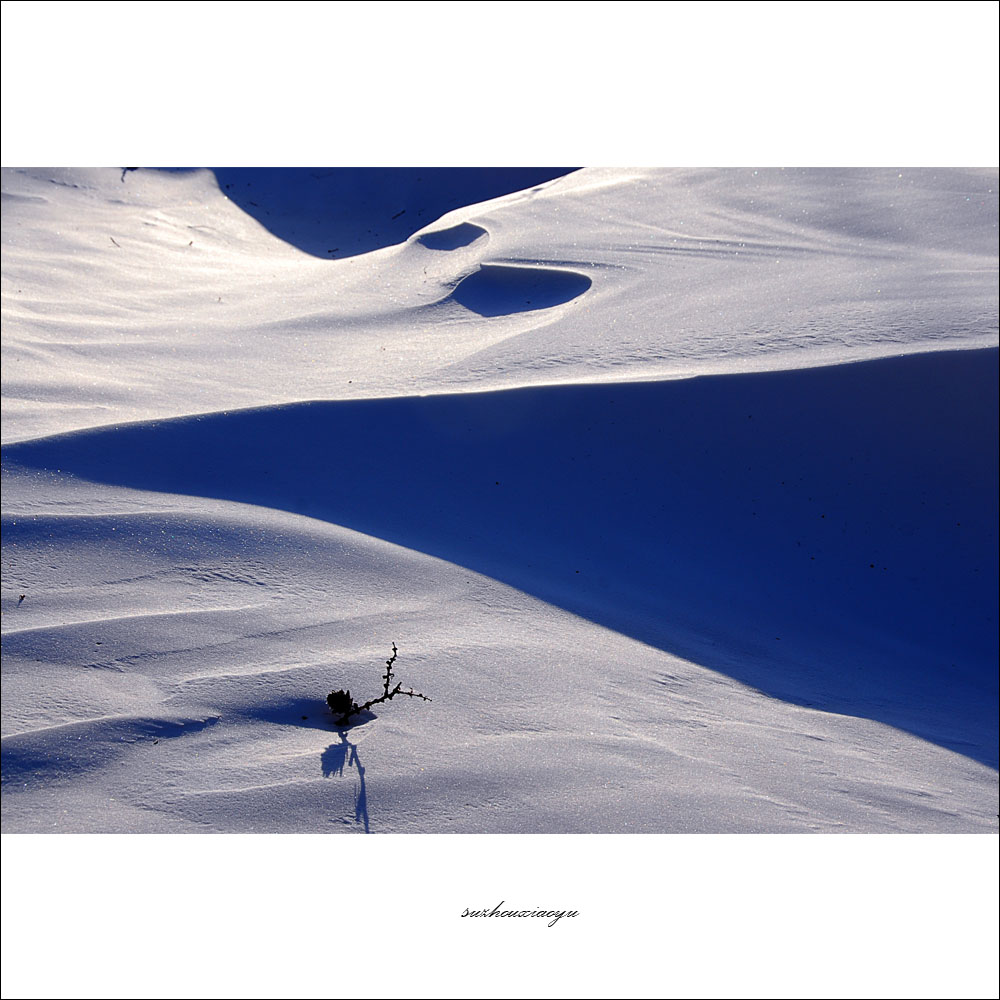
(181, 309)
(675, 488)
(730, 570)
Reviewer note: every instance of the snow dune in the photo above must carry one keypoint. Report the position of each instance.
(157, 296)
(676, 489)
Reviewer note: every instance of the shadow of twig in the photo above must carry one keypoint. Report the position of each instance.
(333, 759)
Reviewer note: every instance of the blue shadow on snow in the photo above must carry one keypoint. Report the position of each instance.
(828, 536)
(335, 212)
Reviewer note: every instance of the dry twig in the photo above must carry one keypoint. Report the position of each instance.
(343, 705)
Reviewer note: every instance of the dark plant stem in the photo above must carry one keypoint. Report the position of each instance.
(387, 693)
(388, 669)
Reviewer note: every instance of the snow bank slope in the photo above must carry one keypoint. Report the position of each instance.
(167, 668)
(152, 294)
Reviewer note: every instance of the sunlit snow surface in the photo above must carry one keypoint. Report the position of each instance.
(676, 490)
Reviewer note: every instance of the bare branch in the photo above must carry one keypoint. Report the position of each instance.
(343, 705)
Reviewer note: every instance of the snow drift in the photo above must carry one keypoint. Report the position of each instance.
(671, 487)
